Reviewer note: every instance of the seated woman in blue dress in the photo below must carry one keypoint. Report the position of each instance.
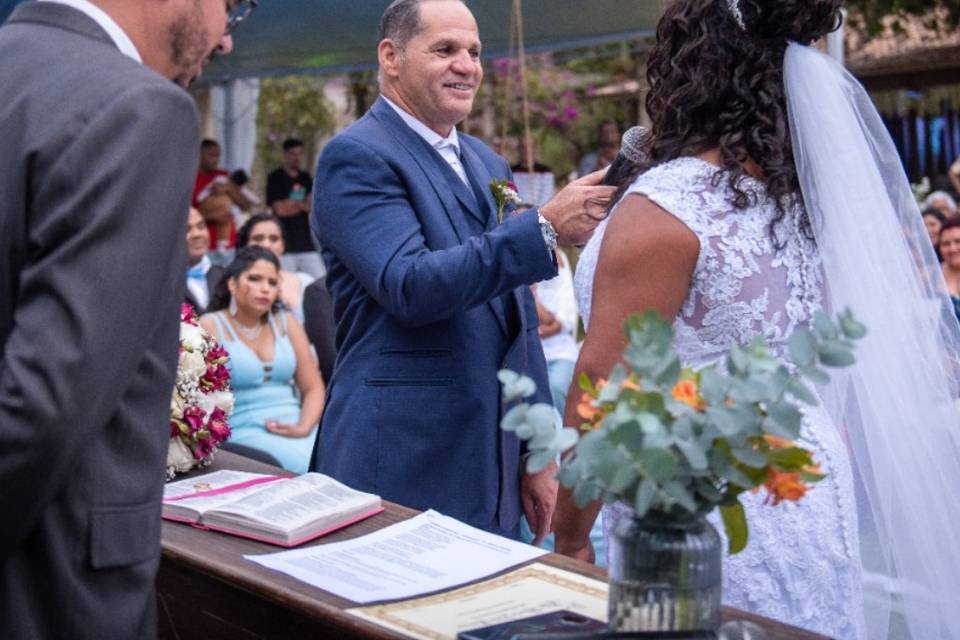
(264, 229)
(269, 356)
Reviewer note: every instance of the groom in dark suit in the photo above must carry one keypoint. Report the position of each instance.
(99, 150)
(430, 292)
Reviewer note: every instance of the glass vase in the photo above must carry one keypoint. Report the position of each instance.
(664, 575)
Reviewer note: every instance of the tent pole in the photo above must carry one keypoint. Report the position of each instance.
(522, 58)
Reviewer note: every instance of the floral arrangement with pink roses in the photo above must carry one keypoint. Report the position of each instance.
(202, 400)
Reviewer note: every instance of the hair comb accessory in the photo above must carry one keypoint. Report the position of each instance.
(734, 7)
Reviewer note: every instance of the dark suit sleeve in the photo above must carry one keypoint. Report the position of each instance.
(363, 213)
(106, 231)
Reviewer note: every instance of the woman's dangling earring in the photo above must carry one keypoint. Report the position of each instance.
(233, 306)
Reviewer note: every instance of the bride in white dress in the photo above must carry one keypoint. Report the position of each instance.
(775, 192)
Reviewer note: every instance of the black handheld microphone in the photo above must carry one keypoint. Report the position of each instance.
(633, 152)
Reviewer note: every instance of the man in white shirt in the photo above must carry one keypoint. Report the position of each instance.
(99, 149)
(430, 290)
(202, 275)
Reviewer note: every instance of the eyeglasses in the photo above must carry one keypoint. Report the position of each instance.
(240, 12)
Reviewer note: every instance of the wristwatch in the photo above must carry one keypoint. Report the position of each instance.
(548, 232)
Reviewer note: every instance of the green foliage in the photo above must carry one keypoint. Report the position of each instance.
(563, 115)
(870, 14)
(674, 443)
(292, 106)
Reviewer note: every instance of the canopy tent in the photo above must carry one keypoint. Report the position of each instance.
(333, 36)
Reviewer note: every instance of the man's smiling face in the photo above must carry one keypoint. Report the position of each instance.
(438, 73)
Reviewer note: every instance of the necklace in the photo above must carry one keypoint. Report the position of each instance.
(250, 333)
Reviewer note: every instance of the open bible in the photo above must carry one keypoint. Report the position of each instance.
(274, 509)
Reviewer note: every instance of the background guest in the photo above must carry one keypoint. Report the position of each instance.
(320, 325)
(269, 354)
(263, 229)
(608, 144)
(288, 195)
(950, 255)
(943, 202)
(215, 195)
(202, 275)
(557, 311)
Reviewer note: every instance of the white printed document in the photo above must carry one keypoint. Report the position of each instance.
(430, 552)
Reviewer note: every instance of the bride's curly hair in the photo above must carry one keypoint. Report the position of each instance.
(715, 85)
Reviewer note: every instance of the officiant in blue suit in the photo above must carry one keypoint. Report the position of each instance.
(430, 291)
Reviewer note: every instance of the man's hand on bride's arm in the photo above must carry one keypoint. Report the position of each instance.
(577, 209)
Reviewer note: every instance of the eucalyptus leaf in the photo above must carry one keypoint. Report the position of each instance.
(815, 374)
(823, 326)
(723, 419)
(679, 494)
(656, 464)
(850, 327)
(737, 360)
(539, 461)
(584, 493)
(515, 386)
(692, 452)
(543, 417)
(713, 386)
(801, 392)
(833, 354)
(514, 418)
(803, 347)
(650, 424)
(646, 493)
(623, 478)
(565, 439)
(569, 474)
(735, 522)
(787, 416)
(750, 457)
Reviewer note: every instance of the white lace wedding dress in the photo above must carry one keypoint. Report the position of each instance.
(802, 563)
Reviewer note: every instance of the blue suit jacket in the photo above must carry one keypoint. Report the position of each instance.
(431, 300)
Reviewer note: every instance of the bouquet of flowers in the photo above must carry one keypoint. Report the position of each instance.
(201, 401)
(674, 443)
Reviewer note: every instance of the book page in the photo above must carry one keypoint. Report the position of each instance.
(207, 482)
(310, 499)
(429, 552)
(528, 591)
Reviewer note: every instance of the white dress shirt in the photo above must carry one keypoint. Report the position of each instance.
(448, 148)
(558, 297)
(108, 24)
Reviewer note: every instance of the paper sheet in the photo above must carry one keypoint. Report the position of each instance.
(528, 591)
(430, 552)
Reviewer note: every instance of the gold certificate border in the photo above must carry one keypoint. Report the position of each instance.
(387, 612)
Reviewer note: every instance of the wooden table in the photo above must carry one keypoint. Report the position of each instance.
(206, 589)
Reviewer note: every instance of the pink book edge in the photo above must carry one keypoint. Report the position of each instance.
(294, 543)
(227, 489)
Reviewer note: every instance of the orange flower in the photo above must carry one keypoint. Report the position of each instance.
(630, 384)
(587, 409)
(686, 392)
(783, 486)
(777, 442)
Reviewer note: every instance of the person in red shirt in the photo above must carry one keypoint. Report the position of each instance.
(214, 195)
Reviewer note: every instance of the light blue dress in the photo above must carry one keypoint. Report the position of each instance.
(264, 391)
